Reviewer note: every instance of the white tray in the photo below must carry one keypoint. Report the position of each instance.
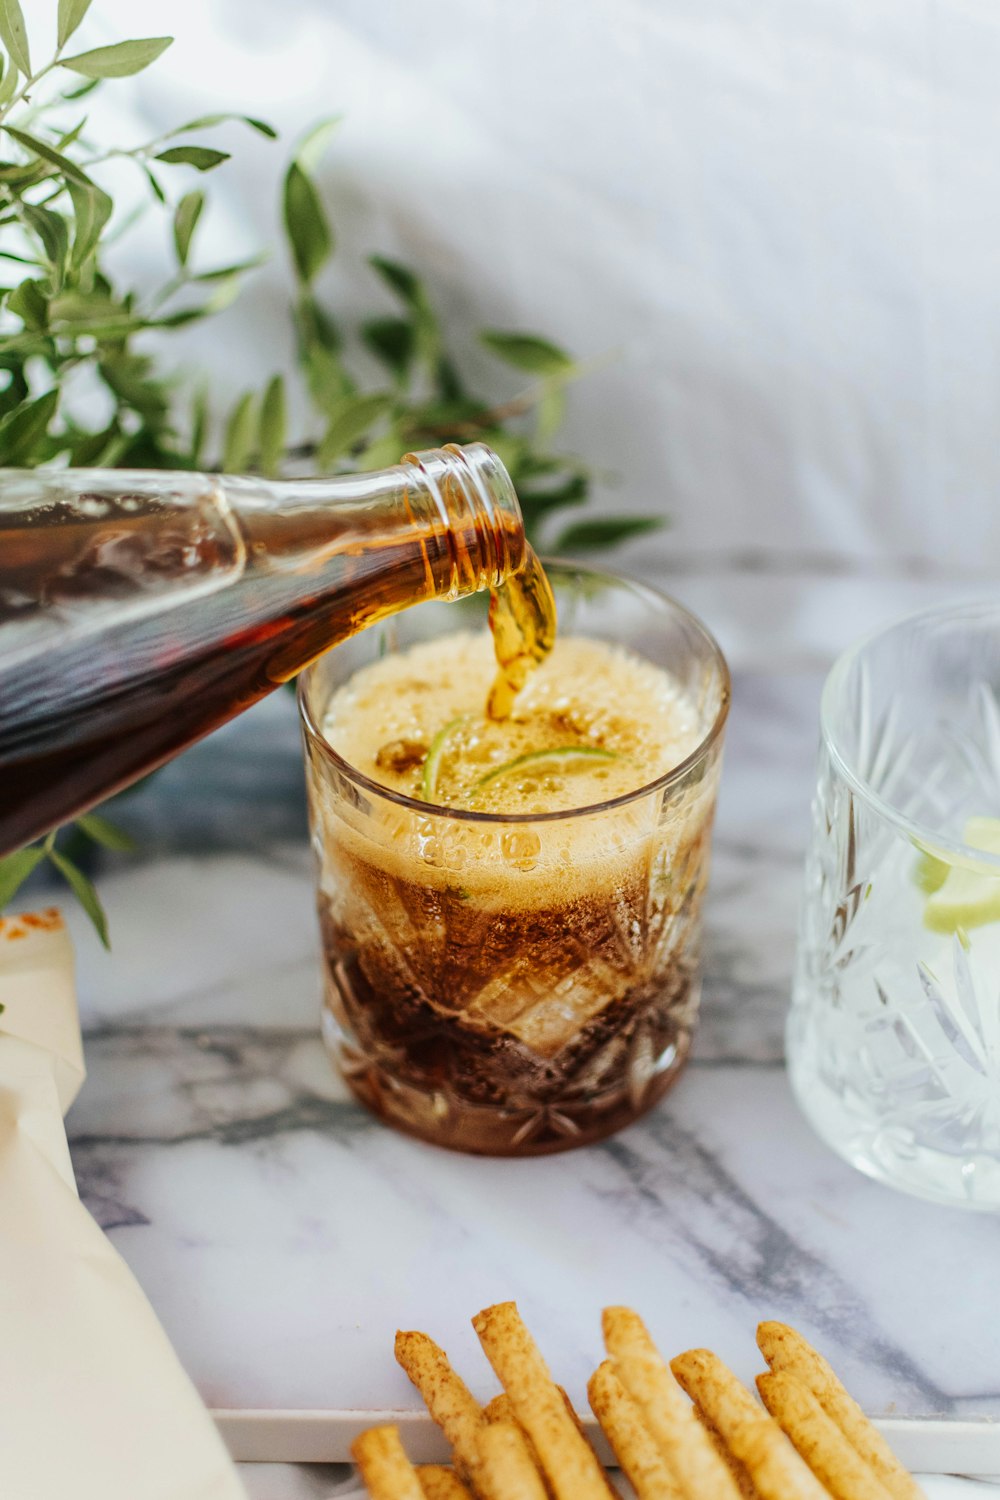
(325, 1437)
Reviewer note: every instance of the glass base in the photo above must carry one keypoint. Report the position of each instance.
(443, 1118)
(891, 1155)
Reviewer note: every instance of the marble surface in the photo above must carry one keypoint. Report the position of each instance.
(282, 1235)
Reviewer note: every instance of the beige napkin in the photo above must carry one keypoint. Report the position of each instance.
(93, 1402)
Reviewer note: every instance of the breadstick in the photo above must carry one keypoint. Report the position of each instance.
(569, 1463)
(507, 1469)
(740, 1476)
(385, 1468)
(440, 1483)
(499, 1409)
(679, 1436)
(818, 1438)
(632, 1443)
(449, 1400)
(755, 1439)
(785, 1349)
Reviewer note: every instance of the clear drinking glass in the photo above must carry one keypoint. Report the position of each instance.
(516, 984)
(894, 1031)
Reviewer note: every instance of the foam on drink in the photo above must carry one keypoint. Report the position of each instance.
(632, 721)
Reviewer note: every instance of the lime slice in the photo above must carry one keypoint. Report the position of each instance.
(560, 755)
(966, 897)
(930, 873)
(432, 765)
(983, 833)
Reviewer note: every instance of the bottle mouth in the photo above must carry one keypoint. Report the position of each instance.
(479, 512)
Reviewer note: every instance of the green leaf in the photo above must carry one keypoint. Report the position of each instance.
(71, 136)
(92, 210)
(310, 150)
(83, 890)
(130, 377)
(68, 168)
(71, 13)
(539, 502)
(549, 413)
(393, 341)
(383, 451)
(104, 832)
(79, 307)
(92, 450)
(314, 324)
(271, 436)
(27, 302)
(241, 433)
(402, 281)
(14, 35)
(326, 377)
(83, 90)
(437, 417)
(185, 218)
(158, 192)
(224, 295)
(203, 158)
(52, 230)
(526, 351)
(305, 223)
(604, 531)
(8, 87)
(118, 61)
(21, 175)
(447, 379)
(14, 871)
(206, 122)
(21, 429)
(350, 421)
(199, 424)
(223, 273)
(17, 387)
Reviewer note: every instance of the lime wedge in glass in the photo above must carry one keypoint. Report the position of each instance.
(560, 756)
(432, 765)
(929, 872)
(969, 894)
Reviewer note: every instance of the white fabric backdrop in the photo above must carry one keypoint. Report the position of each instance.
(783, 217)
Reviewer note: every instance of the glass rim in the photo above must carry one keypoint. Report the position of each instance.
(659, 601)
(925, 837)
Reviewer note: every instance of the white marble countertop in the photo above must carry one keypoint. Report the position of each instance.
(282, 1235)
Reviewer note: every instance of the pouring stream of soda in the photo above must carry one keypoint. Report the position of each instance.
(523, 622)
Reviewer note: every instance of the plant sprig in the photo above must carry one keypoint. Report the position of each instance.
(66, 320)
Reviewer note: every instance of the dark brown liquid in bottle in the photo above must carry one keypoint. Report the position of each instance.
(174, 632)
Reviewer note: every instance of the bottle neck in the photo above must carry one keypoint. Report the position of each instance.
(448, 519)
(476, 510)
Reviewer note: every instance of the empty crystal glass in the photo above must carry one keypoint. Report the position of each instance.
(894, 1031)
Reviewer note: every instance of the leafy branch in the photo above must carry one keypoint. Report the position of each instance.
(67, 325)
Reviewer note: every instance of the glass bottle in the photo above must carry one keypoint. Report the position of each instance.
(139, 611)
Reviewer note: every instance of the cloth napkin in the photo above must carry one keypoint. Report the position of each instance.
(93, 1402)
